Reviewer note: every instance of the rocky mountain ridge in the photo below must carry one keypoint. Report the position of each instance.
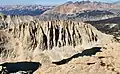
(32, 10)
(82, 11)
(44, 35)
(75, 7)
(55, 44)
(62, 43)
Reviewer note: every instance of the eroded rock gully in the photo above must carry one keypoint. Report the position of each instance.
(26, 33)
(49, 34)
(25, 38)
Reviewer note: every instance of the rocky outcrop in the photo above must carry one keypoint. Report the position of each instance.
(25, 34)
(105, 62)
(49, 34)
(55, 44)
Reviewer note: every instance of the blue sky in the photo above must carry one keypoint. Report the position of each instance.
(2, 2)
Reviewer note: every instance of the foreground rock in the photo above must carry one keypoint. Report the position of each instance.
(104, 62)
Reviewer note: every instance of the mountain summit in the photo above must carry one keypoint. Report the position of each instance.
(75, 7)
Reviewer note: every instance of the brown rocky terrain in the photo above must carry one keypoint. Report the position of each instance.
(105, 62)
(61, 47)
(108, 26)
(45, 35)
(84, 41)
(83, 11)
(75, 7)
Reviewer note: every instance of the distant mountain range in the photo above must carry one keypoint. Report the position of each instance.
(24, 9)
(75, 7)
(84, 9)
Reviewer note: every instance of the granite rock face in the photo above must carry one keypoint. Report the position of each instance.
(60, 46)
(49, 34)
(29, 34)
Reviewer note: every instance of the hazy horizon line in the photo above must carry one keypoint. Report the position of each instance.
(55, 4)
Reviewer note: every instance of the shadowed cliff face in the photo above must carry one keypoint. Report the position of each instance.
(49, 34)
(26, 34)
